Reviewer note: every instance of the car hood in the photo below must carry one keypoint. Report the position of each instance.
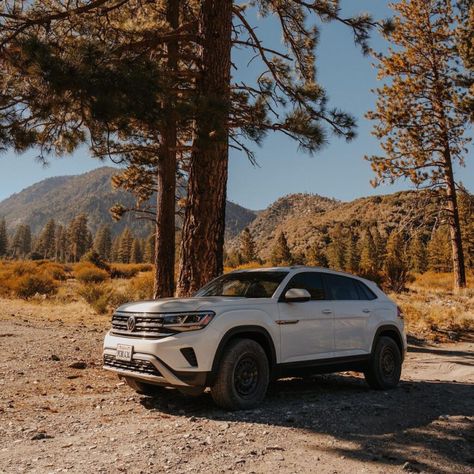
(175, 305)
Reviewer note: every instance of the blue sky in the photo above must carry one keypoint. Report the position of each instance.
(339, 170)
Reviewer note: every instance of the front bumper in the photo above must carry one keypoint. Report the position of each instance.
(160, 361)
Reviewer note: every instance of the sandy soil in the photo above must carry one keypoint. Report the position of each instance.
(54, 418)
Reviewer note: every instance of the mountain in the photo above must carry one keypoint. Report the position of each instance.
(64, 197)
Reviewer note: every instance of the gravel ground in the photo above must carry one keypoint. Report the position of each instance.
(56, 418)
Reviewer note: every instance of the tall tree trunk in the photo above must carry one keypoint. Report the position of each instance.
(459, 270)
(202, 241)
(165, 246)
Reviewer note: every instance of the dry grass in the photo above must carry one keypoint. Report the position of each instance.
(433, 311)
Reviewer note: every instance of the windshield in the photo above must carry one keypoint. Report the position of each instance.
(244, 285)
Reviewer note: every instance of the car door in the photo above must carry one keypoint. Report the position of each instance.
(352, 310)
(307, 328)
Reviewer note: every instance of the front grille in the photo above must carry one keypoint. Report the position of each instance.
(140, 366)
(145, 325)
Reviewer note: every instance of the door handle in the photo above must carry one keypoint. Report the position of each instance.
(326, 311)
(282, 322)
(366, 310)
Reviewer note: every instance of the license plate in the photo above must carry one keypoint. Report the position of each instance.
(124, 352)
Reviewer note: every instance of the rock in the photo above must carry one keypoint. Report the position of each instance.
(78, 365)
(41, 435)
(55, 358)
(410, 467)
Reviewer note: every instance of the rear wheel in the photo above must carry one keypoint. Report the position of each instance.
(243, 376)
(385, 366)
(143, 388)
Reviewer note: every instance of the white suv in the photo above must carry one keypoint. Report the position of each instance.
(248, 327)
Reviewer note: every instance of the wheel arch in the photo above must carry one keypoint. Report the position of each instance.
(256, 333)
(389, 330)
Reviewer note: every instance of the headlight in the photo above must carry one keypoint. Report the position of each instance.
(181, 322)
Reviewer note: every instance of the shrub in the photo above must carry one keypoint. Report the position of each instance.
(54, 270)
(124, 270)
(98, 296)
(23, 268)
(88, 273)
(141, 287)
(93, 257)
(27, 286)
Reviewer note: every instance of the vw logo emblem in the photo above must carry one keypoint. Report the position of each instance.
(131, 323)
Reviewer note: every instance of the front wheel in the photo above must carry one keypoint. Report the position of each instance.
(243, 376)
(385, 366)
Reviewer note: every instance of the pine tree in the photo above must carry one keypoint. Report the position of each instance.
(149, 249)
(79, 237)
(45, 245)
(396, 267)
(103, 243)
(61, 248)
(247, 246)
(368, 255)
(21, 243)
(418, 255)
(336, 251)
(439, 251)
(3, 238)
(418, 120)
(136, 254)
(316, 257)
(125, 246)
(281, 254)
(380, 250)
(352, 257)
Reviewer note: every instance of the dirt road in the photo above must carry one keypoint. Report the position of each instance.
(55, 418)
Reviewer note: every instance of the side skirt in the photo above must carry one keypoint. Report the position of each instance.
(323, 366)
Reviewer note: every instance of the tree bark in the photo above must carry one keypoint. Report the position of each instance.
(165, 244)
(459, 270)
(202, 241)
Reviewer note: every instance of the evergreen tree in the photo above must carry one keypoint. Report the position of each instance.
(149, 249)
(136, 254)
(281, 254)
(380, 244)
(103, 243)
(439, 251)
(79, 237)
(418, 119)
(125, 246)
(368, 255)
(46, 243)
(418, 255)
(316, 257)
(352, 254)
(396, 267)
(61, 248)
(336, 251)
(21, 243)
(247, 247)
(3, 238)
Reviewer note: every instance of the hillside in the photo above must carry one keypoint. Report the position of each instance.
(64, 197)
(309, 219)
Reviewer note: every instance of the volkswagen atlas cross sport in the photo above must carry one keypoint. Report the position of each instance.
(247, 327)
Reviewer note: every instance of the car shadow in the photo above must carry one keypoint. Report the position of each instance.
(382, 425)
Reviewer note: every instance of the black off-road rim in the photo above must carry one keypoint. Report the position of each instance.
(388, 363)
(246, 377)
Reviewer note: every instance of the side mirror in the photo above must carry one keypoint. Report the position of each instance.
(297, 295)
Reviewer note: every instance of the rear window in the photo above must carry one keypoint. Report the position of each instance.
(342, 288)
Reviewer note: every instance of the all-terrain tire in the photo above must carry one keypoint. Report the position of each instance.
(243, 376)
(143, 388)
(385, 366)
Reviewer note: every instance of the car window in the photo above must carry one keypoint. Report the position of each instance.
(365, 293)
(341, 288)
(311, 281)
(244, 285)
